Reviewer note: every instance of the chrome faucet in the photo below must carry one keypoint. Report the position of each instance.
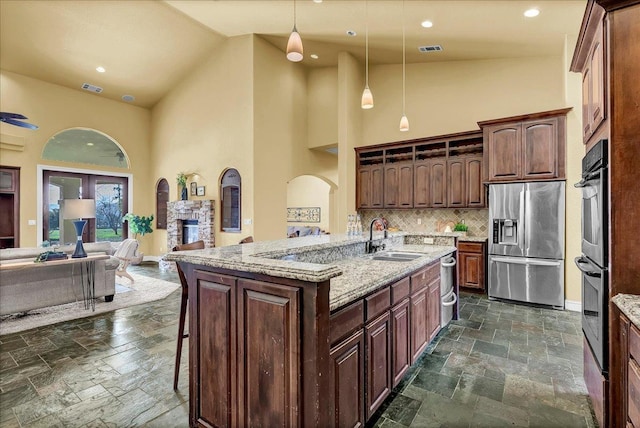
(370, 248)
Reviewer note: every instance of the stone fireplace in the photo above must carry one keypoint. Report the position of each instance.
(182, 211)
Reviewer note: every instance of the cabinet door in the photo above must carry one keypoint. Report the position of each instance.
(433, 309)
(347, 361)
(378, 341)
(456, 182)
(438, 183)
(471, 270)
(377, 183)
(540, 146)
(405, 185)
(400, 350)
(268, 355)
(421, 184)
(504, 143)
(418, 318)
(473, 183)
(391, 185)
(586, 103)
(364, 187)
(212, 343)
(596, 79)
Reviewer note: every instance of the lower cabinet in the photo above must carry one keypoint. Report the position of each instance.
(400, 349)
(347, 361)
(433, 309)
(630, 355)
(378, 367)
(419, 333)
(471, 265)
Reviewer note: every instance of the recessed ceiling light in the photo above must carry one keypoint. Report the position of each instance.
(351, 33)
(128, 98)
(314, 56)
(100, 69)
(530, 13)
(317, 1)
(427, 24)
(89, 144)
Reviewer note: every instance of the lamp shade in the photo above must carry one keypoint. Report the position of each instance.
(79, 208)
(294, 46)
(404, 123)
(367, 98)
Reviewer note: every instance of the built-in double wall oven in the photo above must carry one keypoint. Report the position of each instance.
(594, 259)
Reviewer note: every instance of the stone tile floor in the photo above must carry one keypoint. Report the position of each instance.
(500, 365)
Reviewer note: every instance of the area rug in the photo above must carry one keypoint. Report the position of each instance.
(143, 290)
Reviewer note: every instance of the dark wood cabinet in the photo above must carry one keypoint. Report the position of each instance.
(370, 186)
(401, 352)
(471, 265)
(456, 187)
(475, 191)
(378, 367)
(9, 207)
(347, 361)
(398, 185)
(438, 191)
(593, 84)
(418, 318)
(629, 355)
(422, 184)
(433, 309)
(528, 147)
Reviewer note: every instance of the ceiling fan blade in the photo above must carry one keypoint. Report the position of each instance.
(6, 115)
(18, 123)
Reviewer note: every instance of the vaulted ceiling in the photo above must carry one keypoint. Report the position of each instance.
(146, 47)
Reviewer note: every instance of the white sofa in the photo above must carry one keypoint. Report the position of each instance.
(29, 288)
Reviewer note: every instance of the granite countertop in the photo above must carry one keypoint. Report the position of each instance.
(473, 239)
(342, 261)
(629, 304)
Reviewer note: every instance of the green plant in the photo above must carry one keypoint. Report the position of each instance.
(139, 225)
(460, 227)
(181, 179)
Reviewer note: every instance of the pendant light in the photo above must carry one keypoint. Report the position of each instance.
(367, 96)
(294, 45)
(404, 122)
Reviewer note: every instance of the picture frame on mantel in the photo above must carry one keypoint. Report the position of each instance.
(200, 191)
(194, 187)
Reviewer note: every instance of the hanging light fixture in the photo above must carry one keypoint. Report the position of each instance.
(404, 122)
(294, 45)
(367, 96)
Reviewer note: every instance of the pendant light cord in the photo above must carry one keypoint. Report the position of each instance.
(294, 16)
(403, 62)
(366, 40)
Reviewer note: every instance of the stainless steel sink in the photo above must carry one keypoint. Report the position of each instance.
(396, 256)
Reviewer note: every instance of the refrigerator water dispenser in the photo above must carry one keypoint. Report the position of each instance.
(505, 231)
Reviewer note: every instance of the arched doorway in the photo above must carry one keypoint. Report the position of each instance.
(310, 203)
(110, 191)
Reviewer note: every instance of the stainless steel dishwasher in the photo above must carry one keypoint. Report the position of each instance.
(447, 293)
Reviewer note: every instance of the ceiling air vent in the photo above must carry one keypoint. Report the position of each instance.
(91, 88)
(431, 48)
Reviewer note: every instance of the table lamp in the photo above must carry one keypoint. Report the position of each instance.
(79, 209)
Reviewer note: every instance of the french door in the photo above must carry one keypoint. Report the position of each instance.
(110, 194)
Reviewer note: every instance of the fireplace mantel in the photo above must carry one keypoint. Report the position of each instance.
(201, 210)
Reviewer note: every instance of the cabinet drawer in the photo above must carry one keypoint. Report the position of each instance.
(633, 393)
(399, 290)
(377, 303)
(470, 247)
(346, 320)
(425, 277)
(634, 343)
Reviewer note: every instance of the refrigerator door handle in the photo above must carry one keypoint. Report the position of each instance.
(526, 261)
(581, 261)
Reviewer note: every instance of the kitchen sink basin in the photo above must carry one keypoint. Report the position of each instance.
(396, 256)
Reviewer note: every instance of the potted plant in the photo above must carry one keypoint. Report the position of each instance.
(181, 179)
(138, 225)
(460, 227)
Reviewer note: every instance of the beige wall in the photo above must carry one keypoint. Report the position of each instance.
(322, 105)
(205, 125)
(310, 191)
(55, 108)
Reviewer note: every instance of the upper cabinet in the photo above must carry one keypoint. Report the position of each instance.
(528, 147)
(438, 172)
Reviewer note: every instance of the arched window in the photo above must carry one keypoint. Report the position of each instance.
(162, 197)
(230, 200)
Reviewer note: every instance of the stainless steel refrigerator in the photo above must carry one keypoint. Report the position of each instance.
(526, 242)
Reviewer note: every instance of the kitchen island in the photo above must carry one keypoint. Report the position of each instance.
(306, 331)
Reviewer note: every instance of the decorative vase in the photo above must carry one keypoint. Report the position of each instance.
(184, 196)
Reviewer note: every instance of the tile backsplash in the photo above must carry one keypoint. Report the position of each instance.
(407, 220)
